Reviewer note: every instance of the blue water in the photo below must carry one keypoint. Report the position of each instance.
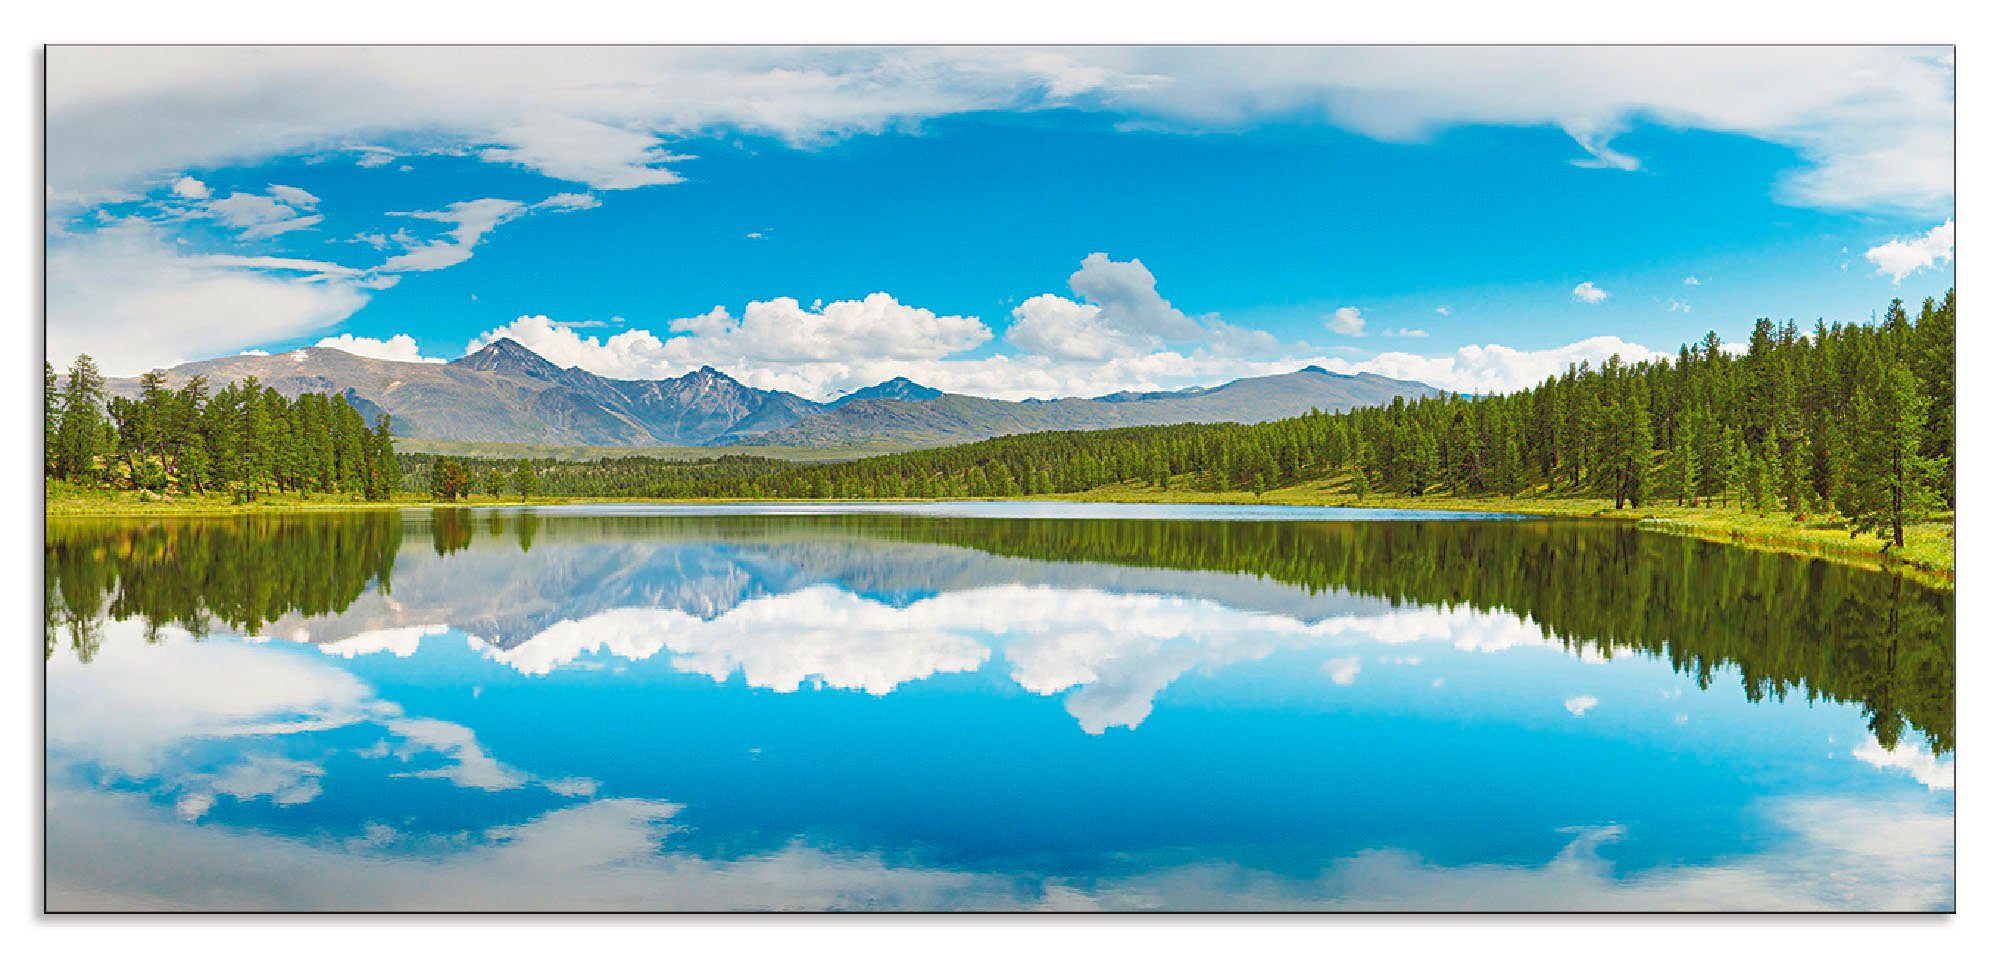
(732, 715)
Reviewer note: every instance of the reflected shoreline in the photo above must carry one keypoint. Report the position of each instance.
(1787, 625)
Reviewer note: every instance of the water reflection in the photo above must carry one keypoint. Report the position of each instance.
(890, 582)
(506, 710)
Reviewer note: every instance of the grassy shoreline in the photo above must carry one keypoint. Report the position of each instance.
(1929, 556)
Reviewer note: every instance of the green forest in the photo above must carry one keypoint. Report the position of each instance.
(1854, 420)
(243, 440)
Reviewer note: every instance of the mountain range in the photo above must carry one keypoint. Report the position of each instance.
(507, 393)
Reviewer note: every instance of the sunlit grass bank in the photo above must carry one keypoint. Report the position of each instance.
(1929, 552)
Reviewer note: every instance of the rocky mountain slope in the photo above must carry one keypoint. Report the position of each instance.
(507, 393)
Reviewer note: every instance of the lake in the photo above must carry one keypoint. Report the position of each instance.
(984, 706)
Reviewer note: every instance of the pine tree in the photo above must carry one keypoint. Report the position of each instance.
(1680, 471)
(81, 437)
(1632, 462)
(51, 417)
(524, 480)
(1890, 479)
(1739, 471)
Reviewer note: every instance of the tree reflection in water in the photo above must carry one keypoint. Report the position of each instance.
(1787, 625)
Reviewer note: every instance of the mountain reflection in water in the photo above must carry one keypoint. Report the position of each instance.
(1198, 664)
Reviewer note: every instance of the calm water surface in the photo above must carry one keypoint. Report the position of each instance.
(983, 706)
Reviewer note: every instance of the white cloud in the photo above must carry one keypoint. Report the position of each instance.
(1074, 366)
(1119, 313)
(783, 643)
(1679, 306)
(1444, 311)
(1933, 772)
(570, 202)
(1343, 671)
(1873, 123)
(126, 295)
(467, 764)
(606, 156)
(1580, 704)
(1408, 333)
(189, 188)
(470, 221)
(1587, 292)
(293, 196)
(280, 209)
(776, 337)
(1346, 321)
(1691, 281)
(401, 347)
(1898, 258)
(1493, 368)
(1059, 328)
(402, 642)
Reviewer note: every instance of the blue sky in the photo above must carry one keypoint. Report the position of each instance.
(1005, 222)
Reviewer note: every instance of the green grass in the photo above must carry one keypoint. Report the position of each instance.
(515, 450)
(1928, 554)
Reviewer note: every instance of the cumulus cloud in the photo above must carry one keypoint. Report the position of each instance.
(1587, 292)
(1061, 328)
(1579, 704)
(779, 337)
(401, 347)
(1493, 368)
(1899, 258)
(1346, 321)
(1062, 366)
(1691, 281)
(782, 643)
(129, 297)
(189, 188)
(1119, 312)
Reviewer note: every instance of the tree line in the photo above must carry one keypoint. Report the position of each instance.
(245, 439)
(1855, 419)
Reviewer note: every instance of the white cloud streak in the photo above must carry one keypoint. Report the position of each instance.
(1873, 123)
(126, 295)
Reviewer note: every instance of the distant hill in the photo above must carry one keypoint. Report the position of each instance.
(897, 388)
(507, 393)
(951, 418)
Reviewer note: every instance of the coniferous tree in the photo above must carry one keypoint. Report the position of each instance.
(81, 436)
(1889, 487)
(51, 417)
